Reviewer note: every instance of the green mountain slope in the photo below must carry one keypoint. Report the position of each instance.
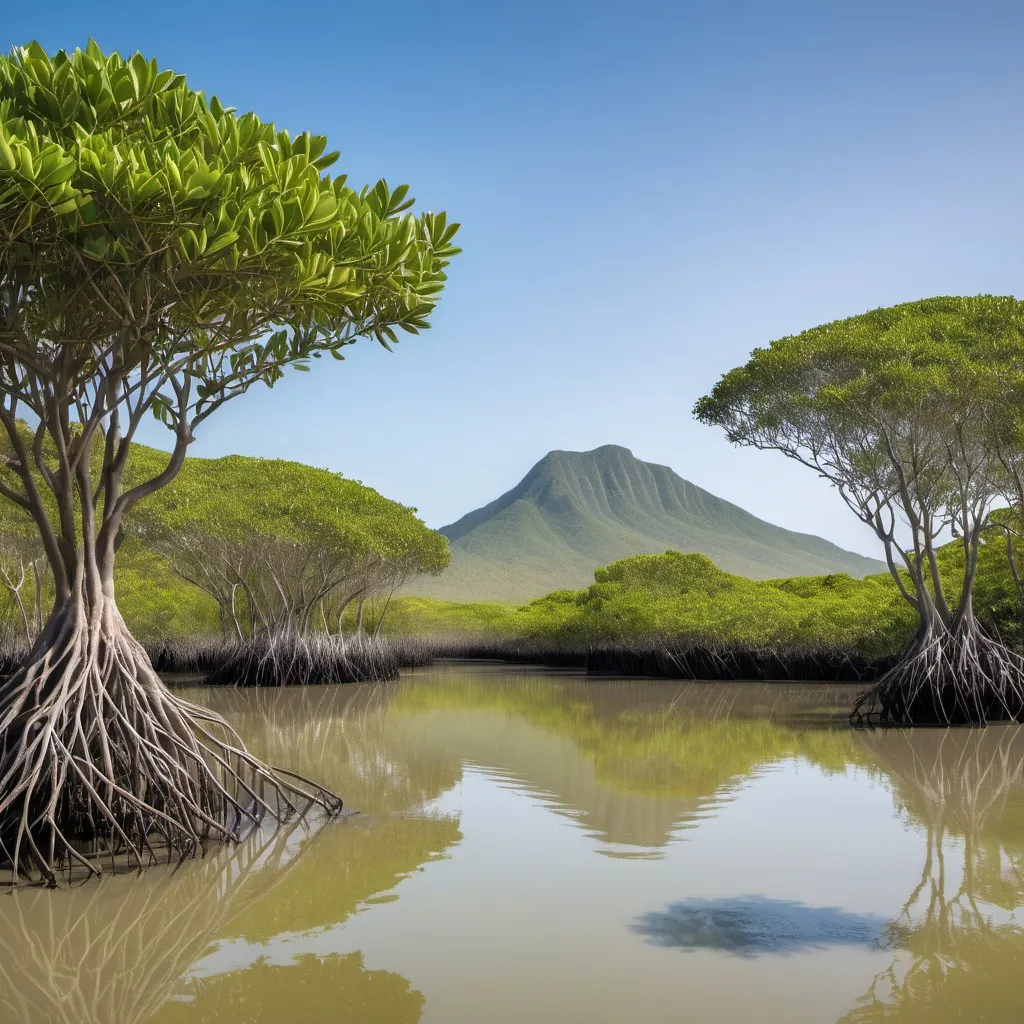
(576, 511)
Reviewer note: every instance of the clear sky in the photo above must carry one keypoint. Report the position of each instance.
(648, 191)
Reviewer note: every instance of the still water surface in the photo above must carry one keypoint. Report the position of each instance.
(537, 847)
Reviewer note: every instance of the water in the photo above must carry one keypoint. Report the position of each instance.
(537, 847)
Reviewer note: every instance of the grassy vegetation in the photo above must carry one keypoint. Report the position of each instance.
(676, 597)
(678, 602)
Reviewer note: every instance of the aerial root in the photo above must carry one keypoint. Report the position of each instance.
(295, 659)
(99, 759)
(958, 677)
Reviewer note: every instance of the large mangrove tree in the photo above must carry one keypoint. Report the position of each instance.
(160, 254)
(904, 411)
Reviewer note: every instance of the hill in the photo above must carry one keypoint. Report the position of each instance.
(576, 511)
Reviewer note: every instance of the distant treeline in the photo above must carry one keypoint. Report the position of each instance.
(239, 553)
(650, 612)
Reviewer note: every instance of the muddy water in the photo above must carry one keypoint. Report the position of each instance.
(541, 848)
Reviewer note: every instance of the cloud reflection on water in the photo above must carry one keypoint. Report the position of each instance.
(757, 925)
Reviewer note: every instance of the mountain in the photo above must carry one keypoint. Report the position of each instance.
(576, 511)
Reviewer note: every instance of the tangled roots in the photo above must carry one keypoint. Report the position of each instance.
(293, 659)
(99, 759)
(958, 677)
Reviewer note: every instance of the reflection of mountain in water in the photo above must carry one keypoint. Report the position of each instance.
(551, 767)
(631, 762)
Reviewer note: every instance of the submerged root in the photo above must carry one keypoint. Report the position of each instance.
(99, 760)
(958, 677)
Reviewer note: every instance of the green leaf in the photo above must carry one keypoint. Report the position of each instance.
(222, 242)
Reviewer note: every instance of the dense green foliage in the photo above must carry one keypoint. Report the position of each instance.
(279, 545)
(576, 511)
(685, 597)
(318, 536)
(912, 412)
(161, 254)
(674, 597)
(678, 597)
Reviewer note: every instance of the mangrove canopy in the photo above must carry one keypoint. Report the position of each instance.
(160, 254)
(904, 411)
(282, 547)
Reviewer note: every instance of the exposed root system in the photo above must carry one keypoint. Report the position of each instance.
(293, 659)
(100, 762)
(948, 677)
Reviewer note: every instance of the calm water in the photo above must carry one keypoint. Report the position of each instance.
(541, 848)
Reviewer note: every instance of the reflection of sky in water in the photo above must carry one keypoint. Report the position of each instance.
(756, 925)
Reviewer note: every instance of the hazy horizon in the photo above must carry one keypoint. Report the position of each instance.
(648, 192)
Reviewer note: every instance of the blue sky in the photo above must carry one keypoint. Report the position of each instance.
(648, 191)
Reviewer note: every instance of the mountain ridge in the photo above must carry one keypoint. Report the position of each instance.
(575, 511)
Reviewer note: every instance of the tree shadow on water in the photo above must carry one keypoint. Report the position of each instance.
(750, 926)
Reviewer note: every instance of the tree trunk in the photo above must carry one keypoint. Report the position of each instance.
(341, 610)
(37, 599)
(953, 673)
(99, 758)
(384, 611)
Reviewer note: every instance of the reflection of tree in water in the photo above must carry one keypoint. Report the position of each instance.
(113, 951)
(341, 732)
(129, 947)
(957, 956)
(311, 990)
(346, 866)
(651, 738)
(119, 951)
